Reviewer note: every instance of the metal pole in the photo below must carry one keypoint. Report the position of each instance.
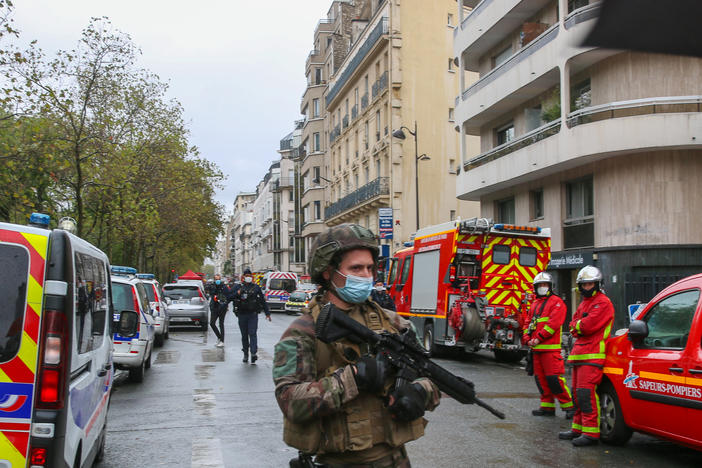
(416, 172)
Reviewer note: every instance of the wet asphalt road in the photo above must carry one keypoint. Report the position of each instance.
(200, 406)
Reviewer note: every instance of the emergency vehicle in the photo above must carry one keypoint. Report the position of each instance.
(277, 286)
(652, 379)
(468, 283)
(55, 347)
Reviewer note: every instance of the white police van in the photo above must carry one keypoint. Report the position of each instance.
(55, 347)
(132, 353)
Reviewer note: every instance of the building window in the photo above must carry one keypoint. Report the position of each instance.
(500, 58)
(537, 204)
(450, 64)
(450, 19)
(505, 211)
(315, 175)
(366, 130)
(367, 225)
(317, 76)
(317, 143)
(451, 114)
(579, 226)
(575, 4)
(505, 133)
(452, 215)
(532, 117)
(377, 125)
(317, 210)
(377, 167)
(365, 79)
(366, 172)
(315, 107)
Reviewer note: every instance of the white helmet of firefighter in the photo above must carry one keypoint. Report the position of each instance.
(589, 274)
(543, 284)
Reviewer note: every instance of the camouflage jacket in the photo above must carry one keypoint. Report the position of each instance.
(304, 395)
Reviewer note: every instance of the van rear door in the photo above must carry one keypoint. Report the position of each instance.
(23, 252)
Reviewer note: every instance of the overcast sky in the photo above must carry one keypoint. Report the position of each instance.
(237, 67)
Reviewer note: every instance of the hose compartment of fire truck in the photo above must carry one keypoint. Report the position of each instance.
(467, 284)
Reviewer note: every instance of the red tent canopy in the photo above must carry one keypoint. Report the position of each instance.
(189, 275)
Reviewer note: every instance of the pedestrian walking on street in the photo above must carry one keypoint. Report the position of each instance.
(543, 336)
(380, 296)
(591, 325)
(219, 299)
(339, 403)
(249, 302)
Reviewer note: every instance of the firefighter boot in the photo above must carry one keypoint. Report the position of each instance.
(568, 435)
(584, 441)
(542, 412)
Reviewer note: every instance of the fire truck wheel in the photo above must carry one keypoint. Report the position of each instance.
(613, 429)
(503, 355)
(428, 341)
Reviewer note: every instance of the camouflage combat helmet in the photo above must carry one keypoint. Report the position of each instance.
(339, 239)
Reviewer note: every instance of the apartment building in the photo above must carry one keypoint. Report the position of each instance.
(288, 207)
(601, 146)
(241, 222)
(388, 68)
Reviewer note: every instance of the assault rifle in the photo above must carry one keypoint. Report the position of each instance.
(402, 352)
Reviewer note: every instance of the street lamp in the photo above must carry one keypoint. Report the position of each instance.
(400, 135)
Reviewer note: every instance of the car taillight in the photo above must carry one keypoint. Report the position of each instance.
(37, 456)
(52, 371)
(452, 273)
(136, 308)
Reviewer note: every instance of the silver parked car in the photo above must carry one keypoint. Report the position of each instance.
(186, 304)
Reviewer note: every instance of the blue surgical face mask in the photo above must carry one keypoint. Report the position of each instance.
(356, 290)
(218, 281)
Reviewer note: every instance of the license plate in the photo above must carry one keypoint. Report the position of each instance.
(180, 319)
(182, 301)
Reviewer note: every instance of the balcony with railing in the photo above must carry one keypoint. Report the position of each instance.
(380, 85)
(527, 73)
(334, 134)
(354, 112)
(488, 24)
(345, 121)
(593, 133)
(364, 102)
(356, 58)
(358, 198)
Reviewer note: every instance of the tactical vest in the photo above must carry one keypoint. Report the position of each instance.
(361, 423)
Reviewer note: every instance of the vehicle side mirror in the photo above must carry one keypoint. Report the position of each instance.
(638, 330)
(168, 300)
(128, 323)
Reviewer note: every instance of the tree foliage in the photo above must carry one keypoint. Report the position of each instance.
(90, 135)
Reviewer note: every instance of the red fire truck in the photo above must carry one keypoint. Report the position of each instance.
(468, 283)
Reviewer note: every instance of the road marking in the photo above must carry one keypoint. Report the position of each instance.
(207, 453)
(204, 401)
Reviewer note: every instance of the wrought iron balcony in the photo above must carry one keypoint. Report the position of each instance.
(364, 101)
(373, 189)
(334, 134)
(345, 120)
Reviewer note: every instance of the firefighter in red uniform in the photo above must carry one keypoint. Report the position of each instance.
(543, 335)
(590, 326)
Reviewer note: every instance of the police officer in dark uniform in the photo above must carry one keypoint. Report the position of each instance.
(219, 300)
(249, 302)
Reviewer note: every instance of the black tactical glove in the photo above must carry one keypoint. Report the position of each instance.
(408, 402)
(371, 372)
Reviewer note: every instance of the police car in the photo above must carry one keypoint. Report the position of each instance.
(55, 348)
(159, 308)
(653, 371)
(132, 353)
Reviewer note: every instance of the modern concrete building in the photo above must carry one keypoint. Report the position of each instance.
(388, 67)
(601, 146)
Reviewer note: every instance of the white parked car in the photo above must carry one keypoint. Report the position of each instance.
(132, 353)
(159, 308)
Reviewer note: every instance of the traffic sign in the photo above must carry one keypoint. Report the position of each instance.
(385, 223)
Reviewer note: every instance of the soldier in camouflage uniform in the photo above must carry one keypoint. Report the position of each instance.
(338, 401)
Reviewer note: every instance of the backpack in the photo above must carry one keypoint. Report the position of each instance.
(248, 299)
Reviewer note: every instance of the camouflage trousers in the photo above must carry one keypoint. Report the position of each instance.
(398, 459)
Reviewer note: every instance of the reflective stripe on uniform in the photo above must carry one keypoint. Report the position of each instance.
(542, 319)
(582, 357)
(549, 329)
(547, 405)
(547, 346)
